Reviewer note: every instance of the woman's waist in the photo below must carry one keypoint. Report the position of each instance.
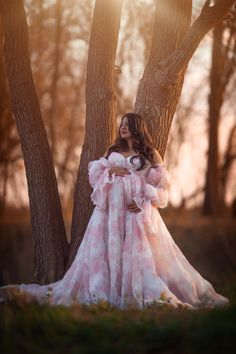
(130, 185)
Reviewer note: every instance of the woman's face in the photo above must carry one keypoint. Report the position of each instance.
(124, 129)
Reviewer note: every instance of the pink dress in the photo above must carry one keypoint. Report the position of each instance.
(125, 258)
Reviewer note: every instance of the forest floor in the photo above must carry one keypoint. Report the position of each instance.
(210, 246)
(33, 329)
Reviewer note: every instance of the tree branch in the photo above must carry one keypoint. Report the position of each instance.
(209, 17)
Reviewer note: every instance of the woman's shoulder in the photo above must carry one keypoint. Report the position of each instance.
(157, 162)
(101, 162)
(107, 152)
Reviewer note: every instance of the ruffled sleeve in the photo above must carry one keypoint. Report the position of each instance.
(158, 184)
(100, 180)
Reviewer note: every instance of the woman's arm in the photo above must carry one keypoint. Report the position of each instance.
(117, 170)
(158, 177)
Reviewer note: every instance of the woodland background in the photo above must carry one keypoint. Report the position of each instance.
(92, 62)
(69, 70)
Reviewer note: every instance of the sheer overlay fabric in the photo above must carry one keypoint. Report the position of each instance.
(125, 258)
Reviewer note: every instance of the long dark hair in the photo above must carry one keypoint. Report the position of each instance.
(142, 141)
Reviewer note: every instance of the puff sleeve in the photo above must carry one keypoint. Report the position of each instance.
(158, 184)
(100, 180)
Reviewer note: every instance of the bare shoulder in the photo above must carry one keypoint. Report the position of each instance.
(157, 157)
(106, 152)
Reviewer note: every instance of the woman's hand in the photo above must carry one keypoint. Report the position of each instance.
(133, 208)
(119, 171)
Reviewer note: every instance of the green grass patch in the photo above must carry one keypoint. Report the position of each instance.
(31, 328)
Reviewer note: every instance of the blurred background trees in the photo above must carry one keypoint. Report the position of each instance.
(9, 147)
(201, 144)
(48, 229)
(223, 66)
(59, 35)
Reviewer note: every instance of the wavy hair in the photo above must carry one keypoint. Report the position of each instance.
(142, 141)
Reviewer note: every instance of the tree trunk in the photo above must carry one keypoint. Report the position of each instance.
(100, 108)
(55, 78)
(211, 204)
(161, 85)
(229, 159)
(222, 68)
(49, 235)
(157, 98)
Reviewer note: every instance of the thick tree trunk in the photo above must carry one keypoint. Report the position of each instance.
(222, 68)
(6, 121)
(49, 236)
(157, 98)
(211, 204)
(161, 85)
(100, 108)
(55, 77)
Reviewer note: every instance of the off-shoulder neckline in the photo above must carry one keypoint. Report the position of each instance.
(157, 165)
(123, 155)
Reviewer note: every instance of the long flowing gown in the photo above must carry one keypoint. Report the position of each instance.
(127, 258)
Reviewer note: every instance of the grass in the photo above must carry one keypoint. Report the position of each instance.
(100, 328)
(28, 328)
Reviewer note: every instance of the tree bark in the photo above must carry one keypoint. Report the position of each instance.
(49, 235)
(211, 204)
(100, 109)
(55, 77)
(156, 98)
(162, 81)
(7, 138)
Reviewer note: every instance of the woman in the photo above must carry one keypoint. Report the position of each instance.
(127, 256)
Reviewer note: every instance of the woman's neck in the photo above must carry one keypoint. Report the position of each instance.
(130, 144)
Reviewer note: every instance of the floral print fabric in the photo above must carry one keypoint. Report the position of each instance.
(125, 258)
